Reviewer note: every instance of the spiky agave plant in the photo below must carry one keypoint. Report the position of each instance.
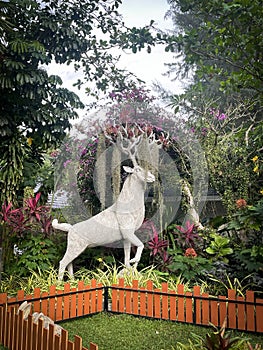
(219, 340)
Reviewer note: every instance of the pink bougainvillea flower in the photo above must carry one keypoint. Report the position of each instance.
(66, 163)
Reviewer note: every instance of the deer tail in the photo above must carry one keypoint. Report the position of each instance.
(63, 226)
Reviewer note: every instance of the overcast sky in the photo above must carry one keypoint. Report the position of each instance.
(148, 67)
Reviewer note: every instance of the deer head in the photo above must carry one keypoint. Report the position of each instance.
(129, 140)
(140, 173)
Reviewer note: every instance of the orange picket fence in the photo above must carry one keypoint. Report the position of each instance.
(241, 313)
(64, 304)
(19, 334)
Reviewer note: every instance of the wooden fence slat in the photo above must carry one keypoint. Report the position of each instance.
(205, 309)
(128, 300)
(20, 295)
(231, 295)
(3, 298)
(29, 332)
(259, 315)
(40, 335)
(173, 312)
(44, 303)
(241, 316)
(100, 305)
(70, 345)
(45, 338)
(4, 324)
(36, 304)
(20, 326)
(181, 304)
(34, 336)
(222, 310)
(64, 339)
(142, 309)
(214, 316)
(197, 304)
(165, 305)
(52, 303)
(121, 296)
(80, 298)
(189, 308)
(149, 287)
(93, 346)
(114, 299)
(59, 306)
(16, 331)
(11, 315)
(24, 335)
(4, 342)
(7, 329)
(73, 303)
(51, 336)
(1, 323)
(87, 301)
(157, 303)
(250, 311)
(93, 296)
(135, 299)
(66, 301)
(77, 342)
(57, 342)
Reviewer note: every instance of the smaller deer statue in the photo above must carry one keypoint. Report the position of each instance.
(117, 222)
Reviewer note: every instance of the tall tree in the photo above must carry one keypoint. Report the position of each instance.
(35, 108)
(220, 44)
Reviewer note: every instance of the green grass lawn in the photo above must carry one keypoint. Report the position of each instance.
(125, 332)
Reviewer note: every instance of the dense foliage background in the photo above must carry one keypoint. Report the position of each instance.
(217, 49)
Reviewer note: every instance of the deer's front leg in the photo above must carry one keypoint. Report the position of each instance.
(127, 252)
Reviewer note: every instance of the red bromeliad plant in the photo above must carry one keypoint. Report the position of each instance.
(17, 224)
(158, 247)
(29, 218)
(187, 235)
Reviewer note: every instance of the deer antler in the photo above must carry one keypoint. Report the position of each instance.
(132, 144)
(128, 143)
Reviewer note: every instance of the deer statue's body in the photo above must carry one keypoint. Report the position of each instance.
(118, 222)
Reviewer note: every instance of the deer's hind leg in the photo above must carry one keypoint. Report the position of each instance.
(130, 236)
(75, 247)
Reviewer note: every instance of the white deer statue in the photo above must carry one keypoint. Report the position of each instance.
(117, 222)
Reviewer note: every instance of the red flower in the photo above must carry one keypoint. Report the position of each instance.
(190, 252)
(241, 203)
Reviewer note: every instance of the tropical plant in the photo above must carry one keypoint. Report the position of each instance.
(189, 265)
(20, 225)
(33, 253)
(219, 247)
(185, 236)
(223, 101)
(221, 285)
(216, 340)
(36, 109)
